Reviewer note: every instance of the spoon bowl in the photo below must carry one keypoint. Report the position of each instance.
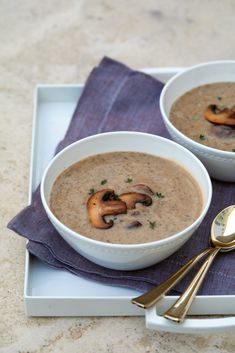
(222, 229)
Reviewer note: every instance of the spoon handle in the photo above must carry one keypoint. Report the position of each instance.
(178, 311)
(151, 297)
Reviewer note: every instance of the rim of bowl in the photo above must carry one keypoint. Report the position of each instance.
(161, 242)
(195, 144)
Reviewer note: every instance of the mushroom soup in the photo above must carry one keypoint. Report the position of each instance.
(126, 197)
(206, 114)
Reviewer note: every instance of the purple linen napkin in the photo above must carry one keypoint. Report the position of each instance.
(118, 98)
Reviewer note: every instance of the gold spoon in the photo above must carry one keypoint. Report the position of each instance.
(222, 239)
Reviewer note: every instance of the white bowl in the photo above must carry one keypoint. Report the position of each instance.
(220, 164)
(125, 256)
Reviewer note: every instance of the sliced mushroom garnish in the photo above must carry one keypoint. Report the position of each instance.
(217, 115)
(223, 131)
(143, 188)
(101, 204)
(131, 198)
(134, 224)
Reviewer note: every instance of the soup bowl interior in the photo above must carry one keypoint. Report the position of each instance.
(220, 164)
(125, 256)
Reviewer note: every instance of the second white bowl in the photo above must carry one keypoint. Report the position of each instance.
(220, 164)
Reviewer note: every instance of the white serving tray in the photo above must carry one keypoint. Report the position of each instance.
(52, 292)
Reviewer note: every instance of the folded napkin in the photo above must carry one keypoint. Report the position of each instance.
(118, 98)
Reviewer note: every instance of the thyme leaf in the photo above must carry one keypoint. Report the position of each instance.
(159, 195)
(116, 197)
(129, 180)
(152, 225)
(202, 137)
(91, 191)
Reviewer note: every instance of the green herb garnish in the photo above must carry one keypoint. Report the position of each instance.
(195, 117)
(129, 180)
(152, 225)
(91, 191)
(219, 98)
(116, 197)
(159, 195)
(104, 181)
(202, 137)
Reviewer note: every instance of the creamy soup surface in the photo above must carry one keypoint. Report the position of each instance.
(187, 115)
(176, 198)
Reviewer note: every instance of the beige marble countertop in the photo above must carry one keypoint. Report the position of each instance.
(59, 41)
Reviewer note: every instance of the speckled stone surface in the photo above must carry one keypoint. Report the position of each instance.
(59, 41)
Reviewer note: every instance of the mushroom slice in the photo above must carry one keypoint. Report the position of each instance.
(101, 204)
(134, 224)
(223, 131)
(131, 198)
(143, 188)
(216, 115)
